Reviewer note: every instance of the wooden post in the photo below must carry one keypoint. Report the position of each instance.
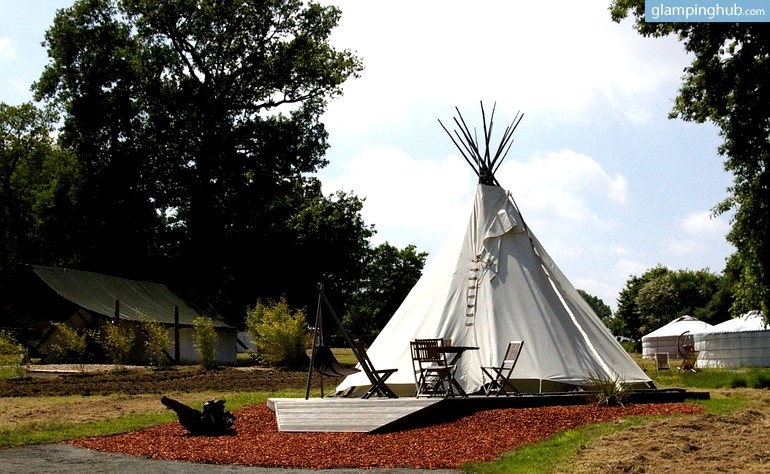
(176, 335)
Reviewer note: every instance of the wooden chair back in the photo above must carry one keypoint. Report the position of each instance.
(428, 352)
(689, 361)
(512, 354)
(377, 377)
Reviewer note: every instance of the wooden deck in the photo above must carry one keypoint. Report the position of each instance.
(378, 415)
(346, 414)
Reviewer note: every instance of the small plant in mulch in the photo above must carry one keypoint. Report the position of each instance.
(607, 390)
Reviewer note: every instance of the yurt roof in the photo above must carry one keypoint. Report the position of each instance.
(678, 326)
(751, 321)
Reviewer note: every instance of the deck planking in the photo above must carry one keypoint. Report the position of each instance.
(345, 414)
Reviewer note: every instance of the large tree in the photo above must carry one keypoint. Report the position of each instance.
(196, 123)
(390, 274)
(661, 294)
(37, 179)
(728, 83)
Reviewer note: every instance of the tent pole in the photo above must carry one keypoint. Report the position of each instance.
(313, 346)
(177, 349)
(348, 340)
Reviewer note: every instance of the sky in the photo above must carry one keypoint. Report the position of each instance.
(606, 181)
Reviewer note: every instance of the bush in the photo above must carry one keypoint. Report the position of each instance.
(205, 339)
(70, 344)
(117, 341)
(11, 352)
(14, 354)
(280, 336)
(156, 342)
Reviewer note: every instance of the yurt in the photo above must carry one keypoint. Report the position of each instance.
(738, 342)
(669, 337)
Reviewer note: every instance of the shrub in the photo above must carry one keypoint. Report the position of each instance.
(14, 354)
(205, 339)
(607, 390)
(70, 344)
(279, 335)
(117, 341)
(156, 342)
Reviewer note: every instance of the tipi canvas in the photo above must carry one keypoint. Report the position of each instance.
(491, 284)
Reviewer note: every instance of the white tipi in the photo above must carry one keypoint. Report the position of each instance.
(492, 284)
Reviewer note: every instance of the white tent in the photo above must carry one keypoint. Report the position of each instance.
(738, 342)
(520, 295)
(491, 283)
(669, 337)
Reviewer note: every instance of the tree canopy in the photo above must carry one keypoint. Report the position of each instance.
(597, 304)
(728, 83)
(660, 295)
(37, 180)
(390, 273)
(195, 125)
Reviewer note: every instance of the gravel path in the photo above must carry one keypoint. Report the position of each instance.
(63, 458)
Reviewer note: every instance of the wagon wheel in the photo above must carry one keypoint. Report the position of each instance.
(685, 343)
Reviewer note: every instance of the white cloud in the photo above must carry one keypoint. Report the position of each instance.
(565, 186)
(547, 56)
(702, 222)
(619, 249)
(6, 49)
(626, 268)
(412, 201)
(683, 246)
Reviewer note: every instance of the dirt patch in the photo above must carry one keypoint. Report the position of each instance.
(705, 443)
(99, 392)
(105, 380)
(16, 411)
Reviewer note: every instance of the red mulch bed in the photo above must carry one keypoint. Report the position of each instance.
(483, 436)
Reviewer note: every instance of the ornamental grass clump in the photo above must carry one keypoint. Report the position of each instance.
(607, 390)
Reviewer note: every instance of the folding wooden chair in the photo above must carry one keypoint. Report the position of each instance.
(661, 361)
(433, 374)
(689, 361)
(499, 376)
(376, 376)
